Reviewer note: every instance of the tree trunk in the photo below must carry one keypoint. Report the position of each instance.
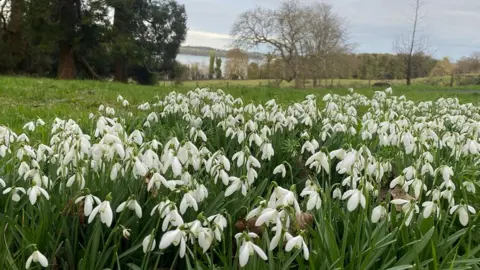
(15, 33)
(66, 62)
(409, 70)
(298, 82)
(121, 32)
(315, 82)
(121, 70)
(68, 18)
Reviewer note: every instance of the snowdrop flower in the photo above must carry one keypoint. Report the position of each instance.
(30, 126)
(140, 168)
(378, 213)
(219, 223)
(462, 210)
(298, 242)
(268, 215)
(356, 197)
(408, 207)
(240, 158)
(430, 207)
(40, 122)
(37, 256)
(126, 233)
(188, 201)
(314, 200)
(248, 248)
(280, 169)
(131, 204)
(319, 160)
(398, 181)
(446, 172)
(174, 237)
(337, 193)
(78, 177)
(469, 186)
(106, 214)
(35, 191)
(2, 183)
(172, 217)
(267, 151)
(149, 243)
(159, 180)
(236, 184)
(14, 191)
(88, 203)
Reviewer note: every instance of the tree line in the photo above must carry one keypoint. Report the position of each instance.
(94, 39)
(364, 66)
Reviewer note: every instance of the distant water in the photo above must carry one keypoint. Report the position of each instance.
(192, 59)
(202, 60)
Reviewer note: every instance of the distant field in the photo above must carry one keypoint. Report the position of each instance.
(443, 81)
(25, 99)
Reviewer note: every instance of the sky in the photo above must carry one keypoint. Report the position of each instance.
(450, 26)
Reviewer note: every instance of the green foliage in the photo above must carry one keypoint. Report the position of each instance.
(218, 68)
(80, 34)
(336, 238)
(211, 67)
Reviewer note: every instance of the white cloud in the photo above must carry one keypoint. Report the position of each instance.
(208, 39)
(450, 25)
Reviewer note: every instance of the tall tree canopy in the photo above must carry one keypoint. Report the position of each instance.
(91, 38)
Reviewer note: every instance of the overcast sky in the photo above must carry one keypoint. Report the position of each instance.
(450, 25)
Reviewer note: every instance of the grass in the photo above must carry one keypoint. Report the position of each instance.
(24, 99)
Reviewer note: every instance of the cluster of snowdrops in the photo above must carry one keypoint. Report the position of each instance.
(204, 179)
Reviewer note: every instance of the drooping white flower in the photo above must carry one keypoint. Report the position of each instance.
(378, 213)
(280, 169)
(131, 204)
(314, 199)
(298, 242)
(356, 197)
(106, 214)
(188, 201)
(174, 237)
(149, 243)
(462, 210)
(219, 224)
(37, 256)
(430, 208)
(34, 192)
(408, 207)
(88, 203)
(14, 191)
(126, 233)
(337, 193)
(248, 249)
(30, 126)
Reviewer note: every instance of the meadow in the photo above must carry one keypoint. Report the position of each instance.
(100, 175)
(23, 99)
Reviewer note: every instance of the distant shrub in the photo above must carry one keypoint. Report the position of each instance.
(381, 84)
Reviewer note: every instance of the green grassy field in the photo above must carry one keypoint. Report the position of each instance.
(25, 99)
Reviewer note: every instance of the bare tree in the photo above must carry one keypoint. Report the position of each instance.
(326, 39)
(282, 29)
(414, 44)
(236, 65)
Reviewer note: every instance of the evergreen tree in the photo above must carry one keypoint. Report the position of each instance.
(218, 68)
(211, 67)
